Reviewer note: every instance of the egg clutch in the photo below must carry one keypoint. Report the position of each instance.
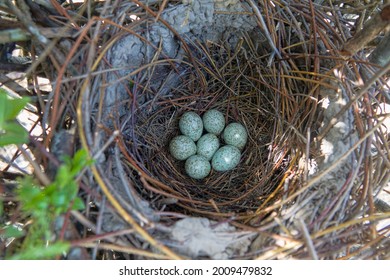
(199, 149)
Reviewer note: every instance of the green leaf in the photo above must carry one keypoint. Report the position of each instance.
(81, 160)
(10, 108)
(33, 198)
(28, 192)
(13, 133)
(59, 200)
(42, 252)
(12, 231)
(62, 177)
(78, 204)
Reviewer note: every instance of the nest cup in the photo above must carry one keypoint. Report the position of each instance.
(238, 191)
(209, 75)
(155, 70)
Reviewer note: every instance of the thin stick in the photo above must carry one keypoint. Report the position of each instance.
(308, 240)
(264, 27)
(370, 30)
(162, 7)
(37, 170)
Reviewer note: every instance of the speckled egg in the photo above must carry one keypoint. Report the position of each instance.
(214, 121)
(226, 158)
(197, 167)
(182, 147)
(235, 134)
(207, 145)
(191, 124)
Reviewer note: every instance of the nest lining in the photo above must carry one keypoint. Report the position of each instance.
(235, 191)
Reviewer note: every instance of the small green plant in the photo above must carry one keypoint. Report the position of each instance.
(40, 205)
(45, 204)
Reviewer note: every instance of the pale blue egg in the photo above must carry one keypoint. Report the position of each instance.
(191, 124)
(182, 147)
(207, 145)
(214, 121)
(226, 158)
(235, 134)
(197, 167)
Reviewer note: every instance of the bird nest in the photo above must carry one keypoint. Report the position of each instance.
(317, 153)
(300, 171)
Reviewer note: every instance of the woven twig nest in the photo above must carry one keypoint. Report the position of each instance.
(274, 69)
